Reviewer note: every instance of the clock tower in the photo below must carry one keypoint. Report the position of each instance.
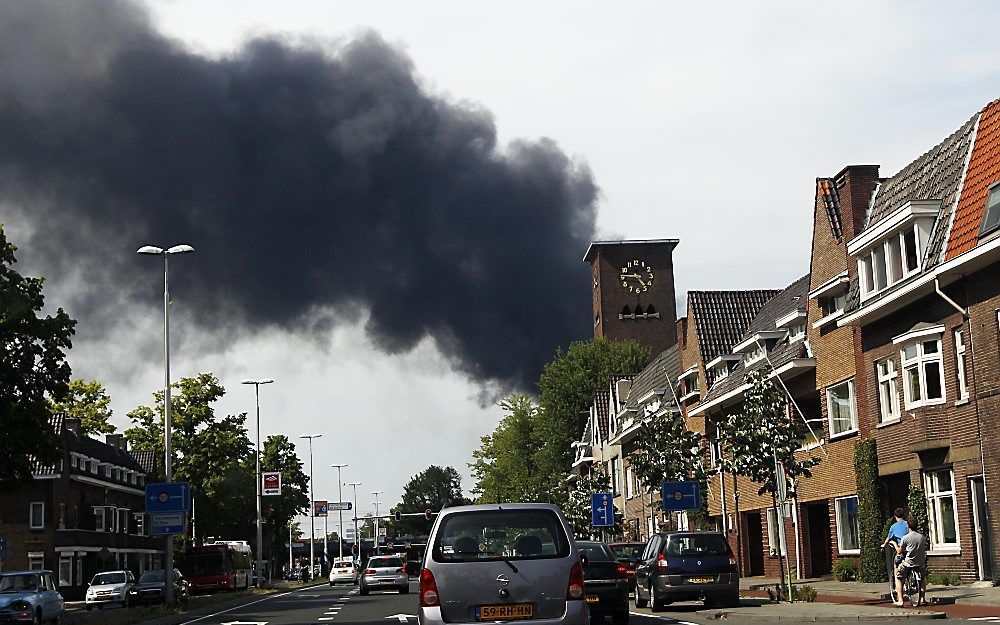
(633, 291)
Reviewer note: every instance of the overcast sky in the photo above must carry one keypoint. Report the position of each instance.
(708, 122)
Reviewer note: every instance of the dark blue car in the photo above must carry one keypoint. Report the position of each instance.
(684, 566)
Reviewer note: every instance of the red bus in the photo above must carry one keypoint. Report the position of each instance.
(222, 565)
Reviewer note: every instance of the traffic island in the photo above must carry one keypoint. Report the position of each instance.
(198, 605)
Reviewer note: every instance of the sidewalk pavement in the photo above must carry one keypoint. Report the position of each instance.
(763, 611)
(969, 594)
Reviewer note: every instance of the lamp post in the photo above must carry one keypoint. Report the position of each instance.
(357, 538)
(340, 513)
(312, 505)
(376, 526)
(168, 550)
(260, 526)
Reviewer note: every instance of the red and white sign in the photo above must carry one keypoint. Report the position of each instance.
(272, 483)
(319, 508)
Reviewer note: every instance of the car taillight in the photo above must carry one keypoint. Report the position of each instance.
(428, 590)
(575, 589)
(402, 570)
(369, 571)
(622, 571)
(661, 562)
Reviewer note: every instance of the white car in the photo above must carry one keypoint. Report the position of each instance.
(343, 572)
(111, 588)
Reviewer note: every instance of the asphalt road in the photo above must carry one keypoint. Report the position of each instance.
(342, 605)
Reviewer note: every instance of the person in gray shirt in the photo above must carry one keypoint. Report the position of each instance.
(913, 549)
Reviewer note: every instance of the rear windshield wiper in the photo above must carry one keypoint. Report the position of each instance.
(502, 557)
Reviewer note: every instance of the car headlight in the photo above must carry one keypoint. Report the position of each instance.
(20, 606)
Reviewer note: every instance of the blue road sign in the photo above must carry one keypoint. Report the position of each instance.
(170, 497)
(602, 509)
(681, 495)
(166, 523)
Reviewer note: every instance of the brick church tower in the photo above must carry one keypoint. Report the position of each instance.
(633, 284)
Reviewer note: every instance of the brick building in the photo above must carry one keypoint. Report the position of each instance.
(83, 516)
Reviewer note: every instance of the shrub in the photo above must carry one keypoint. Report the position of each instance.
(804, 593)
(916, 505)
(845, 570)
(948, 578)
(996, 579)
(869, 512)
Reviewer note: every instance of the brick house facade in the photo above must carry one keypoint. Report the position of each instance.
(83, 516)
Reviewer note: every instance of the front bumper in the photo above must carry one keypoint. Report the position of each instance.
(577, 613)
(16, 616)
(104, 599)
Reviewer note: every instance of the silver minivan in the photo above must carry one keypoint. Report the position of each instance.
(502, 562)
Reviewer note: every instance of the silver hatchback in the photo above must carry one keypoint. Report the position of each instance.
(514, 563)
(385, 573)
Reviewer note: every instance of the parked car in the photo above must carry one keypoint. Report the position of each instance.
(110, 588)
(385, 573)
(30, 597)
(628, 554)
(343, 572)
(151, 589)
(512, 562)
(682, 566)
(605, 581)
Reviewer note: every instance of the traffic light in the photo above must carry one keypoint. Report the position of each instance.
(398, 515)
(428, 513)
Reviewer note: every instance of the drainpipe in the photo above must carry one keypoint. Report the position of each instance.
(973, 393)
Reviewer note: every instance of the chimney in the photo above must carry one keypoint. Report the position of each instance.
(682, 326)
(116, 440)
(72, 424)
(855, 185)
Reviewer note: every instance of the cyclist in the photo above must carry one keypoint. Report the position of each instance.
(896, 532)
(913, 549)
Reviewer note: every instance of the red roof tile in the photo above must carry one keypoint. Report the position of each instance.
(984, 170)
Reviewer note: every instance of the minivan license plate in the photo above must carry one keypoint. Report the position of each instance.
(504, 612)
(701, 580)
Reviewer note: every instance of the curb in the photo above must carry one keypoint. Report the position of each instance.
(761, 618)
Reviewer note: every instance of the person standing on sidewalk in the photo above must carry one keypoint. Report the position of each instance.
(913, 548)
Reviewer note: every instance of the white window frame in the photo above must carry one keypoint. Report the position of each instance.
(882, 258)
(919, 361)
(100, 519)
(773, 532)
(36, 560)
(887, 373)
(934, 513)
(758, 353)
(841, 520)
(629, 483)
(74, 461)
(829, 411)
(122, 522)
(36, 520)
(960, 364)
(65, 571)
(796, 332)
(139, 523)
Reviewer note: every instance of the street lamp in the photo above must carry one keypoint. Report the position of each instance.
(168, 551)
(312, 505)
(260, 527)
(375, 535)
(357, 537)
(340, 511)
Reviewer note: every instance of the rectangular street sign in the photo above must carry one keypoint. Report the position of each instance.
(272, 483)
(602, 509)
(679, 496)
(169, 497)
(166, 523)
(340, 505)
(319, 508)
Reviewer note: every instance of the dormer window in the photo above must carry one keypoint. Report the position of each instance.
(755, 348)
(719, 367)
(831, 298)
(689, 385)
(892, 249)
(991, 216)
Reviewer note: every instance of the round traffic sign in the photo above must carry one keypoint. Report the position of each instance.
(163, 497)
(678, 495)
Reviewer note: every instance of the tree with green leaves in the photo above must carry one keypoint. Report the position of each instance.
(33, 371)
(90, 403)
(280, 510)
(214, 454)
(504, 468)
(577, 508)
(566, 390)
(667, 451)
(433, 488)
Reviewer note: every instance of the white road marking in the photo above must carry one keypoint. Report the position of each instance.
(402, 617)
(325, 618)
(662, 618)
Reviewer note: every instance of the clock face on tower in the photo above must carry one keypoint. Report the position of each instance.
(636, 277)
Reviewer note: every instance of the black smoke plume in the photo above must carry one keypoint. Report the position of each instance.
(309, 177)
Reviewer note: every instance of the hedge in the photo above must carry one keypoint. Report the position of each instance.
(869, 512)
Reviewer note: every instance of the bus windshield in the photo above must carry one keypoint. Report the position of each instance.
(206, 563)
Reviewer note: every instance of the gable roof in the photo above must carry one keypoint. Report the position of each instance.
(661, 372)
(983, 171)
(935, 175)
(721, 317)
(601, 399)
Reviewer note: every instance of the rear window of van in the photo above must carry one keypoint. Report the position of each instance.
(485, 535)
